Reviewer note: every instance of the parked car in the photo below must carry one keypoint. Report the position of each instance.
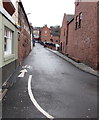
(41, 42)
(45, 44)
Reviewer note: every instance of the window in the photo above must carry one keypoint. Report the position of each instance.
(8, 35)
(80, 19)
(45, 31)
(77, 21)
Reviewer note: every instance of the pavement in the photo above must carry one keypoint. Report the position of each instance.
(60, 89)
(78, 65)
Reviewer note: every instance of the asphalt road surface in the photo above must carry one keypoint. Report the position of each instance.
(61, 89)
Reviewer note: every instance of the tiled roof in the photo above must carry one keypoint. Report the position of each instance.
(69, 17)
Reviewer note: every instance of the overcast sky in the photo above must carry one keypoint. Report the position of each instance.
(48, 12)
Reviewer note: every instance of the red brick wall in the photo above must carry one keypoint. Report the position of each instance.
(63, 35)
(45, 36)
(24, 40)
(71, 43)
(83, 45)
(56, 38)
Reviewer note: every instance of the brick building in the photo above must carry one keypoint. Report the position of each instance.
(51, 36)
(55, 39)
(36, 33)
(55, 34)
(45, 34)
(82, 34)
(64, 33)
(24, 40)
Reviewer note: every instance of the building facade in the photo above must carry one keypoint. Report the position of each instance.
(64, 33)
(82, 33)
(24, 31)
(55, 34)
(36, 33)
(55, 39)
(8, 41)
(45, 34)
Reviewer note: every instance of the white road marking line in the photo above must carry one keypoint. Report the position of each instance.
(34, 101)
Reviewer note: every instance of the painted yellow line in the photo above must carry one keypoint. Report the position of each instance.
(35, 102)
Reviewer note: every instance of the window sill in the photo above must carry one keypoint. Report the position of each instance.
(78, 28)
(9, 57)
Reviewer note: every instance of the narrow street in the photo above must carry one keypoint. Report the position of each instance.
(60, 89)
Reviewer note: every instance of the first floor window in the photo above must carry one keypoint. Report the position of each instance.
(8, 36)
(77, 21)
(45, 31)
(80, 19)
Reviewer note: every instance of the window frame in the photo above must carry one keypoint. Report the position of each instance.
(45, 32)
(8, 41)
(80, 19)
(77, 22)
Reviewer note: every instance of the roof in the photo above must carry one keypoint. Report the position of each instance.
(69, 17)
(55, 34)
(55, 30)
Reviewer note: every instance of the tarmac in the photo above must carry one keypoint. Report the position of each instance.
(81, 66)
(60, 89)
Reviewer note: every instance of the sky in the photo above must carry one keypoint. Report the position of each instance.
(48, 12)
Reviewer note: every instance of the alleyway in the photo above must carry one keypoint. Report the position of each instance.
(61, 89)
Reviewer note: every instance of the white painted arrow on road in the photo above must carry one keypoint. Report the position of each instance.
(22, 73)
